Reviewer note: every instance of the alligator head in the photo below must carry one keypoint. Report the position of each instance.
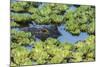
(43, 31)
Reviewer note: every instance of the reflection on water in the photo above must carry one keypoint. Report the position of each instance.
(68, 37)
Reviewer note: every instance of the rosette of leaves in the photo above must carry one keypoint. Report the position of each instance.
(21, 37)
(22, 18)
(14, 24)
(50, 52)
(56, 19)
(52, 41)
(33, 10)
(38, 53)
(91, 28)
(83, 27)
(45, 10)
(76, 57)
(14, 45)
(19, 6)
(59, 9)
(66, 46)
(85, 14)
(73, 29)
(58, 55)
(90, 40)
(20, 56)
(46, 14)
(41, 20)
(71, 25)
(83, 18)
(56, 50)
(87, 48)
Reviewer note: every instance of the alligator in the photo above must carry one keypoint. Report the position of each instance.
(43, 31)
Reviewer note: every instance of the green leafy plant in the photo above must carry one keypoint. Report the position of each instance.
(82, 19)
(21, 38)
(22, 18)
(19, 6)
(20, 56)
(28, 50)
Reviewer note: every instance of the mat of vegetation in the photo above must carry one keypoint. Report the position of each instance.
(38, 44)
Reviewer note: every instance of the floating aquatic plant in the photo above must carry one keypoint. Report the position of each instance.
(56, 18)
(19, 6)
(45, 10)
(14, 24)
(32, 10)
(20, 56)
(50, 50)
(22, 18)
(21, 37)
(82, 19)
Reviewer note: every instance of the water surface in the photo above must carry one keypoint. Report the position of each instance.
(68, 37)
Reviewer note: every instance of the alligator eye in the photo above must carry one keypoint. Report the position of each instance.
(45, 30)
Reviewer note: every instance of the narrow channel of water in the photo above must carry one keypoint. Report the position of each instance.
(68, 37)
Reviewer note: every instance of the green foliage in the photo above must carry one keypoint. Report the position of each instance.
(20, 56)
(22, 18)
(21, 38)
(91, 28)
(56, 18)
(45, 10)
(41, 20)
(56, 59)
(61, 7)
(19, 6)
(32, 10)
(14, 24)
(39, 54)
(87, 48)
(47, 13)
(77, 57)
(83, 27)
(51, 50)
(82, 19)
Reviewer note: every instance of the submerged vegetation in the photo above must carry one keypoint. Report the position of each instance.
(27, 48)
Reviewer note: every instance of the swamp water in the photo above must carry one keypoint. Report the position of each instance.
(64, 46)
(65, 36)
